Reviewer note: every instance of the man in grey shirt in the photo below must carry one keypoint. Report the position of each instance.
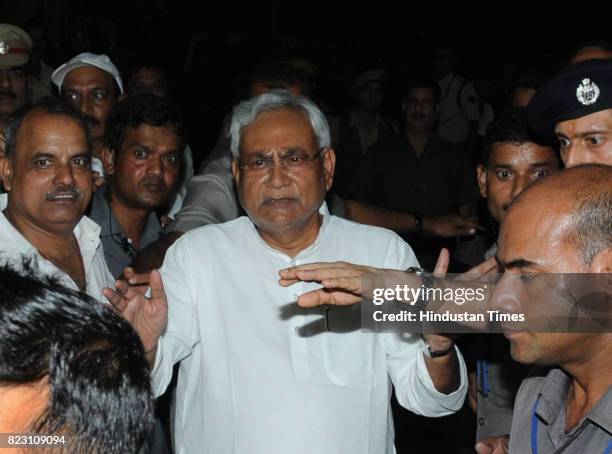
(141, 155)
(560, 224)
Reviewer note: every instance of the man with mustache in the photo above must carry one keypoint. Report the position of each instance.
(93, 84)
(15, 46)
(418, 172)
(141, 155)
(47, 175)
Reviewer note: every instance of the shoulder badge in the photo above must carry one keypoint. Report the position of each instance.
(587, 92)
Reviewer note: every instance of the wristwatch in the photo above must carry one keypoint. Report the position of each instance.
(426, 282)
(437, 353)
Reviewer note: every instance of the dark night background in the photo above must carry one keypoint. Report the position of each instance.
(208, 46)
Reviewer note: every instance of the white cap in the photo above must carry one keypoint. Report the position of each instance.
(86, 59)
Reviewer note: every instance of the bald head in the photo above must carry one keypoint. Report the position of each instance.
(580, 198)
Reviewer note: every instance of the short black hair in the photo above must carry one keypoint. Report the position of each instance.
(52, 105)
(511, 126)
(277, 74)
(145, 108)
(99, 382)
(422, 83)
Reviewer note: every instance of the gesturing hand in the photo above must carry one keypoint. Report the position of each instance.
(148, 316)
(341, 282)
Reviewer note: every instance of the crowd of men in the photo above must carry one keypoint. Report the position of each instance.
(237, 274)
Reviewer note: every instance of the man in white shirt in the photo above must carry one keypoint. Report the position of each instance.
(48, 179)
(253, 378)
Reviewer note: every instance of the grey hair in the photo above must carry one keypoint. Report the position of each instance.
(247, 111)
(590, 231)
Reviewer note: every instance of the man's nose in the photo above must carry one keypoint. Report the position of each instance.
(5, 79)
(154, 166)
(506, 294)
(85, 105)
(574, 155)
(278, 177)
(519, 186)
(64, 175)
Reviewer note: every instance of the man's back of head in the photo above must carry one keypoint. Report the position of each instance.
(70, 367)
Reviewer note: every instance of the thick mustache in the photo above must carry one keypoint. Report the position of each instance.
(8, 94)
(64, 190)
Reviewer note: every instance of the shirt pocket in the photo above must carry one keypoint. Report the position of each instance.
(350, 359)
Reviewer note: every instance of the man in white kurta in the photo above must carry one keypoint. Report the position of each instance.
(250, 379)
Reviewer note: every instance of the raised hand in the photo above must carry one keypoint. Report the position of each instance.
(341, 282)
(147, 315)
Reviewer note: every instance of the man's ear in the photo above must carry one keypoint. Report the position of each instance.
(329, 165)
(481, 174)
(6, 172)
(236, 171)
(602, 262)
(108, 160)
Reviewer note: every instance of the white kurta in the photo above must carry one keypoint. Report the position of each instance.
(249, 382)
(14, 247)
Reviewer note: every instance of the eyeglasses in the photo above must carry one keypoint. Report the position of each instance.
(291, 162)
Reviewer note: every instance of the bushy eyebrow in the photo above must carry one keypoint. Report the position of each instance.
(512, 264)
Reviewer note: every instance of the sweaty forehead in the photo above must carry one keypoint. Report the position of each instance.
(525, 153)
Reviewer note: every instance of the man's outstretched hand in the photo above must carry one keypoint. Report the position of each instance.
(341, 281)
(147, 315)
